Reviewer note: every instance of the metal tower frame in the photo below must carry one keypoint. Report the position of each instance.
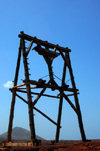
(49, 52)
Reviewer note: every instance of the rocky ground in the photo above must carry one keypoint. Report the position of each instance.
(93, 145)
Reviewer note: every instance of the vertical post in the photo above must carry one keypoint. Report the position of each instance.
(14, 95)
(60, 104)
(76, 100)
(29, 97)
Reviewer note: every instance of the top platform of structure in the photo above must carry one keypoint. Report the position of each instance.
(43, 43)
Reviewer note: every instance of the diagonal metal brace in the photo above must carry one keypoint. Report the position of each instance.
(38, 110)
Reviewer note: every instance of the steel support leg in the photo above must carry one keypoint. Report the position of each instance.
(60, 105)
(76, 101)
(29, 97)
(14, 95)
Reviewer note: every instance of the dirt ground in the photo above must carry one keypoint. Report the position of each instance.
(93, 145)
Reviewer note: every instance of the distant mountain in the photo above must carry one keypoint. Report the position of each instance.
(19, 133)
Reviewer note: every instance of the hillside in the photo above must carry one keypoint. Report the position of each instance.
(19, 133)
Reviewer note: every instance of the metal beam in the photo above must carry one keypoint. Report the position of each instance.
(39, 95)
(38, 110)
(76, 100)
(14, 94)
(43, 43)
(71, 104)
(60, 104)
(46, 85)
(51, 96)
(29, 48)
(29, 97)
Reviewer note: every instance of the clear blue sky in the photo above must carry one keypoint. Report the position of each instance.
(69, 23)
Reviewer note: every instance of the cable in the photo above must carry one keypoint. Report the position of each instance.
(56, 77)
(44, 76)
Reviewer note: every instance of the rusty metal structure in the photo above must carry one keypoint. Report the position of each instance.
(49, 52)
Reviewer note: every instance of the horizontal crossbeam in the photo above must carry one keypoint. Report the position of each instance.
(47, 95)
(50, 86)
(43, 43)
(17, 86)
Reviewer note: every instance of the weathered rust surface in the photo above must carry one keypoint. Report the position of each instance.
(43, 43)
(14, 94)
(76, 100)
(49, 52)
(60, 103)
(29, 96)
